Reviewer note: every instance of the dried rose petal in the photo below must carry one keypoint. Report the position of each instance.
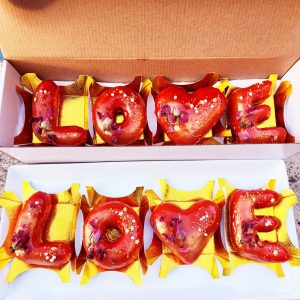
(101, 253)
(93, 223)
(165, 110)
(184, 117)
(95, 236)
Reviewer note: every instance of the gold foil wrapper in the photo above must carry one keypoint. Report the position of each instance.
(279, 235)
(12, 205)
(183, 199)
(61, 228)
(74, 107)
(160, 83)
(209, 141)
(141, 86)
(89, 268)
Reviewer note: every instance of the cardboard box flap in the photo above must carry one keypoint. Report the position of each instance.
(149, 29)
(124, 70)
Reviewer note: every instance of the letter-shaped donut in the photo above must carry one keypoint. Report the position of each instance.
(244, 225)
(119, 116)
(46, 106)
(28, 244)
(113, 235)
(245, 112)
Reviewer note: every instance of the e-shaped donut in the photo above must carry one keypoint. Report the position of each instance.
(119, 116)
(245, 111)
(244, 225)
(113, 235)
(27, 242)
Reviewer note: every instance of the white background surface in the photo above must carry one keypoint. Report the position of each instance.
(188, 282)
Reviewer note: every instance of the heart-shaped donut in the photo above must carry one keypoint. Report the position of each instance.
(186, 232)
(186, 118)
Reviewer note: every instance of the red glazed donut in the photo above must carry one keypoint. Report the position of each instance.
(46, 106)
(246, 111)
(113, 235)
(186, 232)
(124, 102)
(186, 118)
(244, 225)
(27, 242)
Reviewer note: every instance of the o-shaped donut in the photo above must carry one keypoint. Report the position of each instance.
(119, 116)
(113, 235)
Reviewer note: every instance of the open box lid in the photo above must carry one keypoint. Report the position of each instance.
(234, 38)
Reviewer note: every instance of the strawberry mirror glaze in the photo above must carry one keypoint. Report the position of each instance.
(113, 235)
(186, 232)
(28, 244)
(245, 112)
(119, 116)
(244, 225)
(186, 118)
(46, 106)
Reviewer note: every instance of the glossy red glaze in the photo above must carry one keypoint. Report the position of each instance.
(186, 232)
(186, 118)
(119, 101)
(243, 225)
(245, 112)
(45, 118)
(113, 235)
(28, 244)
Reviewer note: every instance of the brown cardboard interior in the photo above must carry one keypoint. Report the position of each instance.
(124, 70)
(115, 40)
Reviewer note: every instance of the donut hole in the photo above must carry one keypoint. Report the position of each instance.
(112, 234)
(119, 116)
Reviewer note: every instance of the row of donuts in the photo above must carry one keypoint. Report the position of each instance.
(184, 114)
(186, 229)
